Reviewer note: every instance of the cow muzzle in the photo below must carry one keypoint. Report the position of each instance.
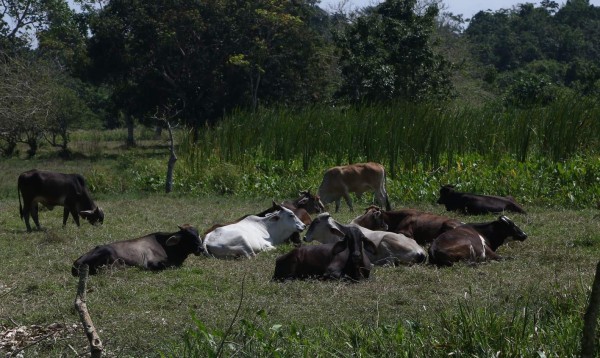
(199, 251)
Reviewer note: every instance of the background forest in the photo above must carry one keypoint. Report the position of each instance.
(274, 87)
(112, 63)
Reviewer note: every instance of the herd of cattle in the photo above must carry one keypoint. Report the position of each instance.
(377, 237)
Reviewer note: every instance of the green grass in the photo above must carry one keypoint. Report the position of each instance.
(141, 313)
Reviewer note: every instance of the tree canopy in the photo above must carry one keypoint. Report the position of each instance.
(201, 59)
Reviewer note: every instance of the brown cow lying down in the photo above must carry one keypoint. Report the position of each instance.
(339, 182)
(421, 226)
(473, 242)
(153, 252)
(343, 259)
(476, 204)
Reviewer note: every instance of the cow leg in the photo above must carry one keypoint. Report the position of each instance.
(65, 215)
(348, 201)
(34, 216)
(381, 198)
(337, 204)
(26, 211)
(491, 255)
(74, 214)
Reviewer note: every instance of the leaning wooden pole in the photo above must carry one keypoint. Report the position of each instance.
(88, 326)
(590, 320)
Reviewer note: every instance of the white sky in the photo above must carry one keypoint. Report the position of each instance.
(467, 8)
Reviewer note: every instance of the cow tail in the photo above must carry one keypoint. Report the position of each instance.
(388, 207)
(19, 195)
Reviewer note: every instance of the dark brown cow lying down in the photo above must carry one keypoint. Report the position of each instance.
(346, 258)
(155, 251)
(422, 226)
(473, 242)
(56, 189)
(476, 204)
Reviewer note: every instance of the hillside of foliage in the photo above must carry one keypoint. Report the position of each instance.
(125, 63)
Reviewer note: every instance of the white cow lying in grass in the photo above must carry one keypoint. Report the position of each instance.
(251, 235)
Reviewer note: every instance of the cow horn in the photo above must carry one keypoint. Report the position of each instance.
(173, 240)
(505, 219)
(302, 201)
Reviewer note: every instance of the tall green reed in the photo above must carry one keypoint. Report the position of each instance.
(400, 135)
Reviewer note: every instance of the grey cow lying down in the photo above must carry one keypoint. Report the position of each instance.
(390, 248)
(155, 251)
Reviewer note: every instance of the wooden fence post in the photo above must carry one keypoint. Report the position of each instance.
(88, 326)
(588, 340)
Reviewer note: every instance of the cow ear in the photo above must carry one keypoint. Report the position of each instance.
(369, 246)
(339, 247)
(335, 231)
(173, 240)
(274, 218)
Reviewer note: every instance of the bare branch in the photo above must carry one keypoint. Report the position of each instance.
(81, 306)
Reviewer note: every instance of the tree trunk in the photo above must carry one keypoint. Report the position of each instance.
(590, 320)
(158, 131)
(130, 126)
(172, 160)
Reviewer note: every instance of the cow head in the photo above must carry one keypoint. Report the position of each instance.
(372, 219)
(187, 239)
(358, 265)
(286, 217)
(324, 229)
(445, 191)
(311, 203)
(511, 230)
(94, 217)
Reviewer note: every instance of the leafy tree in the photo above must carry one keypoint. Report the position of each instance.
(63, 39)
(35, 105)
(563, 43)
(202, 57)
(387, 53)
(21, 20)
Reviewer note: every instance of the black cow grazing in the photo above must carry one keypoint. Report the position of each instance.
(476, 204)
(155, 251)
(51, 189)
(473, 242)
(343, 259)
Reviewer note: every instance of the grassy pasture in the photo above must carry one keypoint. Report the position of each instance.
(138, 313)
(531, 303)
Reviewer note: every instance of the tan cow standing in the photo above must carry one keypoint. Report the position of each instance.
(357, 178)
